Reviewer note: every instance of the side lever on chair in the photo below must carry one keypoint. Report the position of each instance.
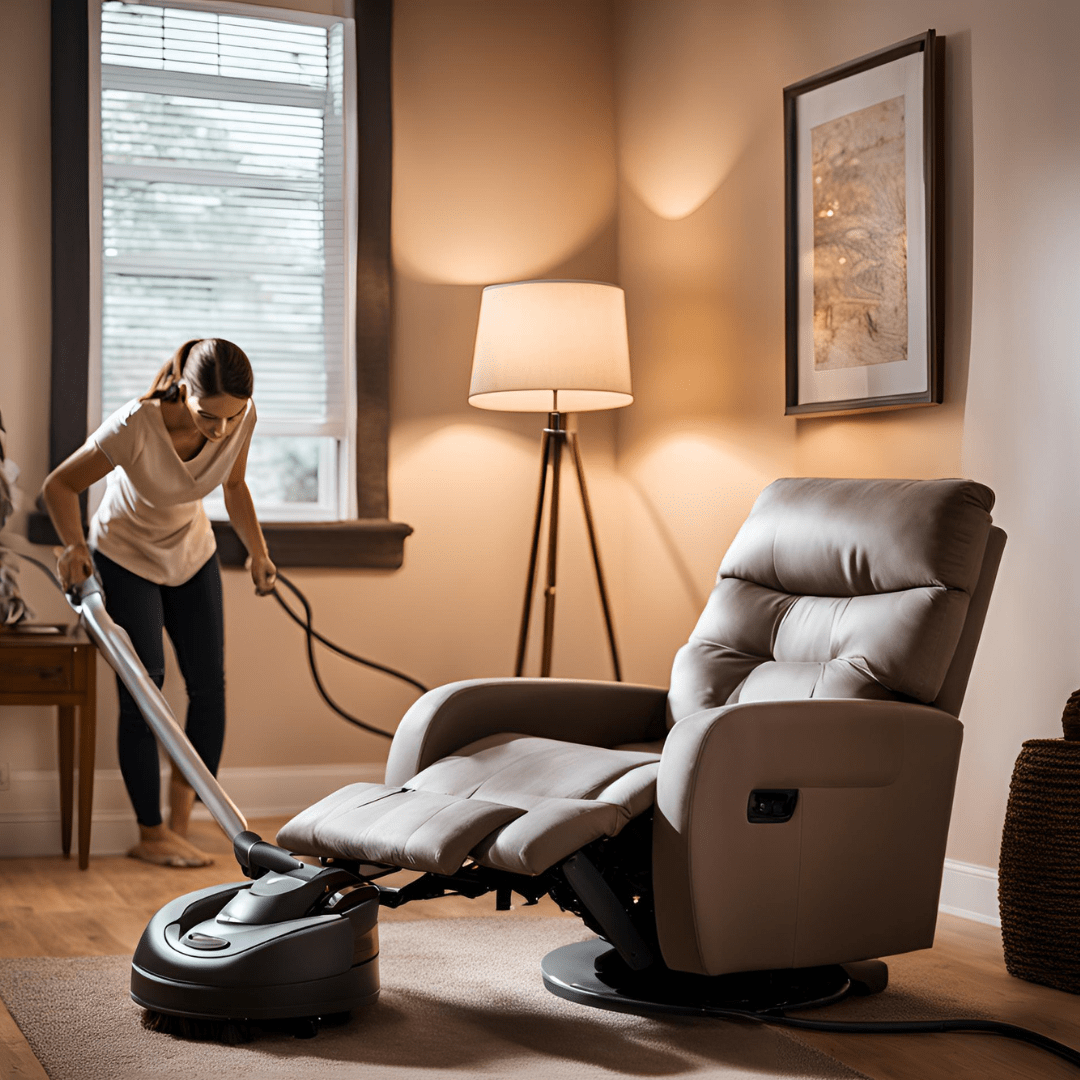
(771, 807)
(596, 895)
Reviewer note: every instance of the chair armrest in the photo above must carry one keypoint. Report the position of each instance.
(573, 710)
(862, 852)
(817, 742)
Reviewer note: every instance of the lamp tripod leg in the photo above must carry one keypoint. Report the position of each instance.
(580, 469)
(530, 583)
(552, 555)
(551, 455)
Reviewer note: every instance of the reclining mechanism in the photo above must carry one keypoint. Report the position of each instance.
(751, 838)
(607, 885)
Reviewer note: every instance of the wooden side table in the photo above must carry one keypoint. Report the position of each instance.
(61, 670)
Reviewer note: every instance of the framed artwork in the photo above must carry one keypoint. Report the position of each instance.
(863, 235)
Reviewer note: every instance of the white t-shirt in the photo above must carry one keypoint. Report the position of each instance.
(151, 520)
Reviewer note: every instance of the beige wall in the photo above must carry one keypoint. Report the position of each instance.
(701, 257)
(507, 119)
(27, 737)
(504, 168)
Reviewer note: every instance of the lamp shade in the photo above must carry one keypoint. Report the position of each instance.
(551, 346)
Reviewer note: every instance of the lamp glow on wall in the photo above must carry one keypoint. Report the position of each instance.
(554, 347)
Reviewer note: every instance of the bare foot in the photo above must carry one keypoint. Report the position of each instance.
(181, 800)
(162, 847)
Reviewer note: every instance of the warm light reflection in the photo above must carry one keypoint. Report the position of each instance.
(504, 161)
(482, 235)
(700, 484)
(472, 453)
(675, 178)
(690, 98)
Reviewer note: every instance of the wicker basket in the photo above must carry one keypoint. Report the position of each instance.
(1039, 874)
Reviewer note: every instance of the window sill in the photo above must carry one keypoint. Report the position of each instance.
(368, 543)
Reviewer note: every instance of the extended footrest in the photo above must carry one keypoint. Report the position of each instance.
(414, 830)
(511, 802)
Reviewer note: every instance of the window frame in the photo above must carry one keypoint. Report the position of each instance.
(370, 539)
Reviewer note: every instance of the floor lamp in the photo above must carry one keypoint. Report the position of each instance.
(556, 347)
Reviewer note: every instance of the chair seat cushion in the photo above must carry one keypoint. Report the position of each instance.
(513, 802)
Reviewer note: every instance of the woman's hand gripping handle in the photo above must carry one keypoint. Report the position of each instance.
(73, 565)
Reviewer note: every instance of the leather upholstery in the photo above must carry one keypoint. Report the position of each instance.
(854, 874)
(524, 771)
(512, 802)
(951, 695)
(838, 588)
(376, 823)
(574, 710)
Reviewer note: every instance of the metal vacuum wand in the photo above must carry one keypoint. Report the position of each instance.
(116, 647)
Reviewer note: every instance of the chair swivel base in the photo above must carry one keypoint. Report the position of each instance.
(590, 973)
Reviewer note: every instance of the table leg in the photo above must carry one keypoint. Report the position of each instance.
(66, 741)
(87, 746)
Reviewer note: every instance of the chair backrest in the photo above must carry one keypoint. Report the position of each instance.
(842, 589)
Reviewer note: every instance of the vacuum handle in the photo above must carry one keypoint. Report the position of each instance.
(116, 647)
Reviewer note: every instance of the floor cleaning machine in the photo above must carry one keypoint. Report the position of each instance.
(295, 941)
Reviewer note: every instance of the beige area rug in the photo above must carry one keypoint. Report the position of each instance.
(460, 998)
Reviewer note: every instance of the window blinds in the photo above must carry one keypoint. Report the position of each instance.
(223, 213)
(182, 39)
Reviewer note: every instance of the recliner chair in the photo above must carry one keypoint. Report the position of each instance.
(782, 808)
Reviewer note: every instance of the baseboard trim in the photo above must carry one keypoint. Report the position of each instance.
(970, 891)
(272, 791)
(30, 811)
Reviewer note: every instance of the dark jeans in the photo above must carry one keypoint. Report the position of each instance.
(192, 615)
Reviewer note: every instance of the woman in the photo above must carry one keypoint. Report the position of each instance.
(154, 551)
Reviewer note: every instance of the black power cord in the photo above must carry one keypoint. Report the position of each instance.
(312, 635)
(921, 1027)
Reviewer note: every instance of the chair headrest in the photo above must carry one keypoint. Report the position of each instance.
(855, 537)
(838, 588)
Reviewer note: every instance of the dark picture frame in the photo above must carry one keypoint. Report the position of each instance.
(864, 236)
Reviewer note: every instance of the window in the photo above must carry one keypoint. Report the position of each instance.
(227, 203)
(215, 112)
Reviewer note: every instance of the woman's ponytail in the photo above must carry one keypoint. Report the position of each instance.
(166, 384)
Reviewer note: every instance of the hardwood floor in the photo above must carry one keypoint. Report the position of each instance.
(48, 907)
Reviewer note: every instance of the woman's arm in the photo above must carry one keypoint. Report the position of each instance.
(61, 492)
(241, 511)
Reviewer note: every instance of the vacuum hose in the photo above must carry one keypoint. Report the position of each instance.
(312, 635)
